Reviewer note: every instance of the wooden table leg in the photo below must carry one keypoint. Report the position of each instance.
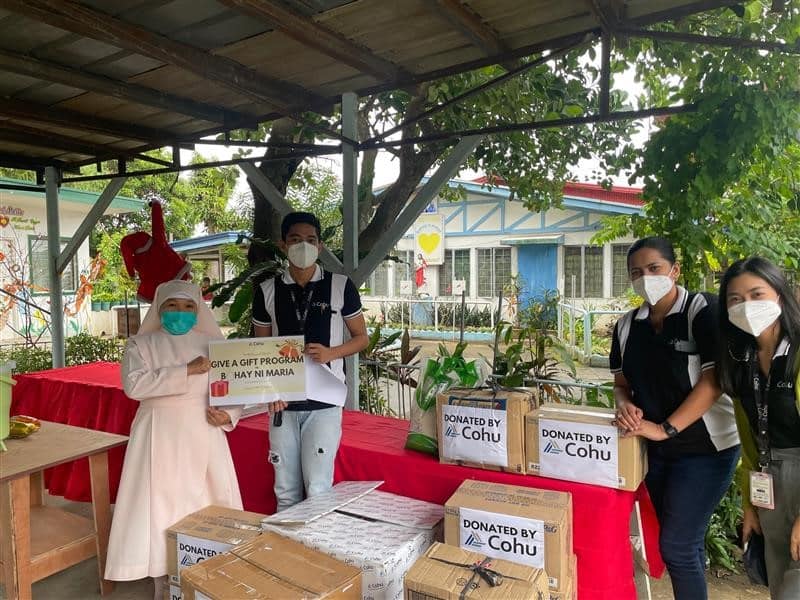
(37, 488)
(101, 508)
(15, 522)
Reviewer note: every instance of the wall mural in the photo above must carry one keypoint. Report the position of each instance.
(24, 305)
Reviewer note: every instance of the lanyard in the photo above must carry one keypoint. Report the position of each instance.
(302, 314)
(762, 410)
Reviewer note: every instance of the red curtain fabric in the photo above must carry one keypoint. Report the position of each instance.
(372, 448)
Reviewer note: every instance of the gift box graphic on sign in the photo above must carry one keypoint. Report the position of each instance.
(219, 388)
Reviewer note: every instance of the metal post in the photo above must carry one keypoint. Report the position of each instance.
(463, 308)
(350, 214)
(587, 335)
(53, 254)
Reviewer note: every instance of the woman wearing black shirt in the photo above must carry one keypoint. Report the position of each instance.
(663, 359)
(759, 364)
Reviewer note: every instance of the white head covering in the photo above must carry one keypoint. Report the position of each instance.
(206, 323)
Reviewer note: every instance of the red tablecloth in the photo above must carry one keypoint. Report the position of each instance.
(371, 449)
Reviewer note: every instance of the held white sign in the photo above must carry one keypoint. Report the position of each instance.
(579, 452)
(475, 434)
(511, 538)
(175, 593)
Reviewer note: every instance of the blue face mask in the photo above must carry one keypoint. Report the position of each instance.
(178, 323)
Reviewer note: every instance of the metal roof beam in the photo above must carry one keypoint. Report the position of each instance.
(52, 72)
(78, 121)
(707, 40)
(472, 26)
(20, 134)
(310, 33)
(78, 18)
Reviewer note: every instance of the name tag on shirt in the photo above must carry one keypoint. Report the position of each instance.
(761, 490)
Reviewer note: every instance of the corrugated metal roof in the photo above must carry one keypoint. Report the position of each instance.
(178, 69)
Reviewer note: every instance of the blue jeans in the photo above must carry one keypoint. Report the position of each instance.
(302, 451)
(685, 491)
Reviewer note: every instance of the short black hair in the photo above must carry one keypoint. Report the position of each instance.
(662, 245)
(206, 278)
(294, 218)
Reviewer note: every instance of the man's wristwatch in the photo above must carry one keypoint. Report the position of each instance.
(669, 429)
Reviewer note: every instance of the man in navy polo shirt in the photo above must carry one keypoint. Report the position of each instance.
(306, 300)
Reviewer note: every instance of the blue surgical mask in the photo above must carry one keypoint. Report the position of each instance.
(178, 323)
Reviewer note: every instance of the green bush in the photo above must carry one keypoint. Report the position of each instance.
(722, 536)
(80, 349)
(84, 348)
(28, 359)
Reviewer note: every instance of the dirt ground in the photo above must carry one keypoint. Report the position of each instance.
(728, 587)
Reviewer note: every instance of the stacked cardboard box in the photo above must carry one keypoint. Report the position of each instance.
(271, 566)
(520, 524)
(483, 428)
(580, 443)
(206, 533)
(448, 573)
(382, 534)
(569, 587)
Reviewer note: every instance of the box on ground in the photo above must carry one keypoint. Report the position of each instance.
(271, 566)
(520, 524)
(381, 534)
(206, 533)
(579, 443)
(483, 428)
(448, 573)
(569, 587)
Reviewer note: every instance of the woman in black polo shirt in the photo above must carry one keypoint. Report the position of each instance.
(759, 364)
(663, 359)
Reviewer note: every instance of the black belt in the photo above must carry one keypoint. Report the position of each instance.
(305, 405)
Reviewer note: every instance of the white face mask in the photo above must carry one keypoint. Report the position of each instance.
(653, 287)
(302, 254)
(755, 316)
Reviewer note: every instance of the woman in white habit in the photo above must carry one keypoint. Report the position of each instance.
(177, 460)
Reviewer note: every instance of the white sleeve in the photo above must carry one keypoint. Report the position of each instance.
(142, 381)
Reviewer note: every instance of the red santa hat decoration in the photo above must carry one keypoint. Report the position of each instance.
(151, 258)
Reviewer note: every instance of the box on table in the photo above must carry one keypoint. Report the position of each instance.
(579, 443)
(271, 566)
(381, 534)
(483, 428)
(446, 573)
(569, 589)
(206, 533)
(520, 524)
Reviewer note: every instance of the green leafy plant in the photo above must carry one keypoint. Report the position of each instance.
(371, 398)
(721, 541)
(85, 348)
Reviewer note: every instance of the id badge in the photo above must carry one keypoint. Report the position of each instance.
(761, 490)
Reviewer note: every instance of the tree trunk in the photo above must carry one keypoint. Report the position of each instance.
(266, 220)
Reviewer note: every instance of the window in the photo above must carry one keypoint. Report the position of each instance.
(494, 270)
(583, 271)
(40, 274)
(456, 266)
(404, 270)
(619, 269)
(379, 280)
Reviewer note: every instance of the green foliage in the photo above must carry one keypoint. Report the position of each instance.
(315, 188)
(28, 358)
(84, 348)
(721, 541)
(724, 181)
(115, 281)
(533, 351)
(80, 349)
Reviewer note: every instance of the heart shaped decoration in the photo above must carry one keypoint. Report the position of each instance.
(429, 242)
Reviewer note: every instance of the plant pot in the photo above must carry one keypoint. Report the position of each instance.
(96, 306)
(105, 305)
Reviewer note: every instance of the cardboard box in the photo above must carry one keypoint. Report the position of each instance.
(435, 576)
(173, 592)
(569, 590)
(579, 443)
(381, 534)
(483, 429)
(267, 567)
(520, 524)
(206, 533)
